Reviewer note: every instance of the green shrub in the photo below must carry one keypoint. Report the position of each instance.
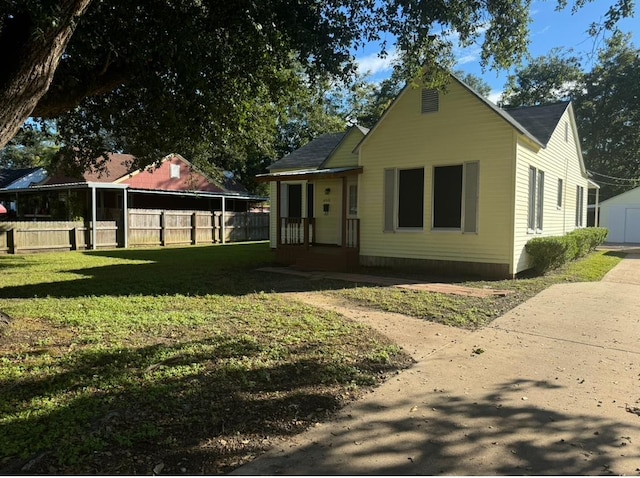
(549, 253)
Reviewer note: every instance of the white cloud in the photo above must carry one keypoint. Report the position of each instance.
(372, 64)
(494, 96)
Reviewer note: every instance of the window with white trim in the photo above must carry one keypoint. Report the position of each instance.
(536, 200)
(353, 199)
(579, 205)
(560, 193)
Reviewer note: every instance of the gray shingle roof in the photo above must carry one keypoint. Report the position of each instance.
(540, 121)
(311, 155)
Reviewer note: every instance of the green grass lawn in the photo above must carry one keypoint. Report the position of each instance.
(185, 360)
(118, 361)
(475, 312)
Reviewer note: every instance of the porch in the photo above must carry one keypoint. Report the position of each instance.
(316, 225)
(297, 246)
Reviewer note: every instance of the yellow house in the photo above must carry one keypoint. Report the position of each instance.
(445, 182)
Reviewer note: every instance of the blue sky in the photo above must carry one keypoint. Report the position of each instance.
(549, 29)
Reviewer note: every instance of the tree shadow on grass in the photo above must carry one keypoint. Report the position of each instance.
(458, 435)
(221, 270)
(198, 405)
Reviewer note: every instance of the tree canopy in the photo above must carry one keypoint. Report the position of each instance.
(607, 106)
(214, 79)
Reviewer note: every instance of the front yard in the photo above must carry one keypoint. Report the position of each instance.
(187, 361)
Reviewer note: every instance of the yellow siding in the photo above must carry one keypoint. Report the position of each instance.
(464, 129)
(559, 160)
(343, 156)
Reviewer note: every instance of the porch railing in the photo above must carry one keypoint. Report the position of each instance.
(297, 231)
(353, 233)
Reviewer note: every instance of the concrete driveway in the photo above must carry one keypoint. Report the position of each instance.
(549, 388)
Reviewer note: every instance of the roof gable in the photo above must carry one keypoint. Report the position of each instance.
(632, 196)
(536, 125)
(541, 121)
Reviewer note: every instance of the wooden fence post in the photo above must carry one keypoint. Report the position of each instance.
(194, 228)
(73, 239)
(11, 240)
(163, 232)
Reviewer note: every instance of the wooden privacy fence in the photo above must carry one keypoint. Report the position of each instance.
(147, 227)
(158, 227)
(32, 236)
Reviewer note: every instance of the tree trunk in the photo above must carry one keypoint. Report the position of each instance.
(31, 76)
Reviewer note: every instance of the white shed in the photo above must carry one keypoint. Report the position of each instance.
(621, 215)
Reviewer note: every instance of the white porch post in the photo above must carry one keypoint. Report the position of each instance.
(94, 219)
(596, 221)
(223, 221)
(125, 218)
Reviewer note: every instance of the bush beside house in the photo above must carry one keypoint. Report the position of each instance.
(551, 252)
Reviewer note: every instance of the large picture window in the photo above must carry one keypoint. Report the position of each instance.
(455, 197)
(403, 199)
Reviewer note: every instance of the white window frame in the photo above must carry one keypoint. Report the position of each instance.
(175, 171)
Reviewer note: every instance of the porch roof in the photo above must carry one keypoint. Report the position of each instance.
(302, 174)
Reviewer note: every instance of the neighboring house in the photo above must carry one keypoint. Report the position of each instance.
(621, 215)
(11, 179)
(172, 184)
(445, 181)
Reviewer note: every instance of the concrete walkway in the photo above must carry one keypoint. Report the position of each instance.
(549, 388)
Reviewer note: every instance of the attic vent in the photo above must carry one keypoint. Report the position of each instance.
(430, 101)
(175, 171)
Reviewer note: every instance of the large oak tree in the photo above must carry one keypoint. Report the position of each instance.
(210, 78)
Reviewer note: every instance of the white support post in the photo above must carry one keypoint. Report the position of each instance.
(94, 220)
(223, 221)
(125, 218)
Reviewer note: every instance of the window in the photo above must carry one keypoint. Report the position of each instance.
(353, 199)
(430, 101)
(175, 171)
(404, 188)
(455, 197)
(536, 200)
(566, 132)
(540, 199)
(560, 193)
(579, 205)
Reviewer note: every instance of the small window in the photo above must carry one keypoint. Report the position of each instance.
(560, 193)
(430, 101)
(353, 199)
(566, 132)
(175, 171)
